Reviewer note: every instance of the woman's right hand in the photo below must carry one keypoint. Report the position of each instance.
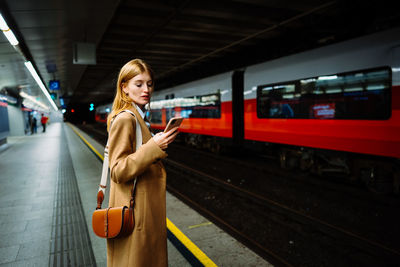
(164, 139)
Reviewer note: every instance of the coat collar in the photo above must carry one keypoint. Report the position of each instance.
(142, 114)
(146, 135)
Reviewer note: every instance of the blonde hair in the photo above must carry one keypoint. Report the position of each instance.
(122, 101)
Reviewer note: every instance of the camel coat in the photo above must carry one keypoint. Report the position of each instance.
(147, 245)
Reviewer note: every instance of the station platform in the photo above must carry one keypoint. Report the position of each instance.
(49, 183)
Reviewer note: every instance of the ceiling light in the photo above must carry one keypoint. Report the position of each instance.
(13, 40)
(332, 77)
(34, 74)
(8, 32)
(32, 102)
(11, 37)
(3, 24)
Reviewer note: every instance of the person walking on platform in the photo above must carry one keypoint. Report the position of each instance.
(33, 125)
(147, 245)
(44, 120)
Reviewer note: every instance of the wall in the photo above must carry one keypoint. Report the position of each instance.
(16, 121)
(4, 126)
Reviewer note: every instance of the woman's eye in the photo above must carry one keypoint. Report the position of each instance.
(139, 85)
(150, 84)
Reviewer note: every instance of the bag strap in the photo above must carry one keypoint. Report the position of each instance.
(104, 175)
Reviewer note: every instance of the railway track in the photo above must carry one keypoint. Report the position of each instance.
(372, 250)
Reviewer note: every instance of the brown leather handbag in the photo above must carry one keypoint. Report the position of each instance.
(114, 222)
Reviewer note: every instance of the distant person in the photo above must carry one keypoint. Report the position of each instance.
(44, 120)
(287, 111)
(29, 125)
(33, 125)
(147, 245)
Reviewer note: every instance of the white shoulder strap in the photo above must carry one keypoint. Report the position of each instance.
(139, 139)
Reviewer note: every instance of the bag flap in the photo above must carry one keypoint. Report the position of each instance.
(111, 227)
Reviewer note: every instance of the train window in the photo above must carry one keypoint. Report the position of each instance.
(170, 113)
(358, 95)
(277, 101)
(156, 116)
(202, 106)
(205, 106)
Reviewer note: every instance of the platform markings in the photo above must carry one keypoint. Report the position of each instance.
(199, 225)
(70, 243)
(189, 250)
(100, 156)
(206, 261)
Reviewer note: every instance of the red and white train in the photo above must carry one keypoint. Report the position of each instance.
(331, 109)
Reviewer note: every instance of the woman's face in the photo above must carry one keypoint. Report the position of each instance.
(139, 89)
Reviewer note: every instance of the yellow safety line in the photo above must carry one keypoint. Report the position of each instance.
(190, 245)
(87, 143)
(206, 261)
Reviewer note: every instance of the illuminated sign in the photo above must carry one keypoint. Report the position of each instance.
(54, 85)
(324, 111)
(53, 96)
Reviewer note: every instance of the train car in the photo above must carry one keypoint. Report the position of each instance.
(344, 97)
(332, 109)
(206, 106)
(102, 113)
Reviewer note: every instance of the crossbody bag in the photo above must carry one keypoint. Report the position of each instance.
(114, 222)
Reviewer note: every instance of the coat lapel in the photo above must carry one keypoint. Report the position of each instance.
(146, 135)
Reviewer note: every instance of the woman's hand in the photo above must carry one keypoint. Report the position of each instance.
(164, 139)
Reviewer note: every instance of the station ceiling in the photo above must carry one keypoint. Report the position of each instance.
(182, 40)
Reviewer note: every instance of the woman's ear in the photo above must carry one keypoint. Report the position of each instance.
(124, 88)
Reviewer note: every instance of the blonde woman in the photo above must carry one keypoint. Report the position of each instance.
(147, 245)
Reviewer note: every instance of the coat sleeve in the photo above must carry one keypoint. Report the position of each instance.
(125, 162)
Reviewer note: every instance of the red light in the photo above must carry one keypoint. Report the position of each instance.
(72, 110)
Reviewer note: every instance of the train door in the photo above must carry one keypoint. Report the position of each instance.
(237, 108)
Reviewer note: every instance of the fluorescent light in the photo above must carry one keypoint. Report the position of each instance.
(13, 41)
(34, 74)
(353, 89)
(247, 92)
(308, 80)
(288, 96)
(333, 91)
(33, 100)
(7, 31)
(3, 24)
(267, 88)
(376, 87)
(332, 77)
(395, 69)
(11, 37)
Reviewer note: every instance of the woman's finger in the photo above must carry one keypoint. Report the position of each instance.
(171, 131)
(172, 137)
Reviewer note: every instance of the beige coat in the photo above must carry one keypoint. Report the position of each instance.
(147, 245)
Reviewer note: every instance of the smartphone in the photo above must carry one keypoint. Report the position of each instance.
(173, 122)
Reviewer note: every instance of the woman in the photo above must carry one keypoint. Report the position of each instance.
(147, 245)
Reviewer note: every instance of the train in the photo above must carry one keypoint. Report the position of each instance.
(330, 110)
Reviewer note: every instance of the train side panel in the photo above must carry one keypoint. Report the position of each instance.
(378, 137)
